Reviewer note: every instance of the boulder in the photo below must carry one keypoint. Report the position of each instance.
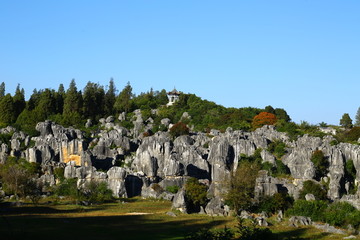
(179, 202)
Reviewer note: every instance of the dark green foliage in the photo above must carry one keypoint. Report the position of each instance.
(208, 234)
(7, 110)
(272, 204)
(314, 188)
(110, 98)
(59, 173)
(19, 101)
(320, 162)
(350, 175)
(173, 189)
(195, 193)
(72, 105)
(281, 114)
(93, 101)
(353, 135)
(277, 148)
(313, 209)
(338, 212)
(346, 121)
(2, 90)
(248, 230)
(6, 137)
(124, 102)
(68, 188)
(289, 127)
(96, 192)
(179, 129)
(241, 186)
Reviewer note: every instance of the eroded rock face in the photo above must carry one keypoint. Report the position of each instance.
(116, 181)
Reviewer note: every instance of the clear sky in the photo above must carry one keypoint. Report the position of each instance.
(300, 55)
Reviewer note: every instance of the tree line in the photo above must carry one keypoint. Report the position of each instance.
(72, 107)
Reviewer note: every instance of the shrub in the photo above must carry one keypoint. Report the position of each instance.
(272, 204)
(338, 212)
(314, 188)
(207, 234)
(173, 189)
(59, 173)
(313, 209)
(241, 186)
(353, 135)
(277, 148)
(67, 188)
(248, 230)
(96, 192)
(179, 129)
(320, 163)
(263, 118)
(195, 193)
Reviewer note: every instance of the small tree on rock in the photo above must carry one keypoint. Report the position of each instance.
(346, 121)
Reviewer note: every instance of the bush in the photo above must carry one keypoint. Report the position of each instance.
(338, 213)
(248, 230)
(313, 209)
(272, 204)
(207, 234)
(172, 189)
(314, 188)
(96, 192)
(195, 193)
(68, 188)
(179, 129)
(320, 163)
(277, 148)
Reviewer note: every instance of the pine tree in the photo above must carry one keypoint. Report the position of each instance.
(124, 100)
(2, 90)
(73, 100)
(110, 98)
(60, 96)
(346, 121)
(357, 118)
(19, 101)
(93, 100)
(7, 110)
(47, 104)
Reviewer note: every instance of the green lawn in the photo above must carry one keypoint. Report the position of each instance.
(119, 221)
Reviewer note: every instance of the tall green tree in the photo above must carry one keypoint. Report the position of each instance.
(72, 105)
(60, 96)
(93, 100)
(19, 101)
(281, 114)
(123, 102)
(110, 98)
(7, 110)
(357, 118)
(346, 121)
(73, 99)
(2, 90)
(47, 104)
(34, 100)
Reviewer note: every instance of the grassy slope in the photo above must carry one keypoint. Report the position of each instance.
(119, 221)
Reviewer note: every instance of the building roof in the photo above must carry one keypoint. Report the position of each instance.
(174, 92)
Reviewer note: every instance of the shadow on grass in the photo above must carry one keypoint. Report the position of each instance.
(101, 227)
(294, 235)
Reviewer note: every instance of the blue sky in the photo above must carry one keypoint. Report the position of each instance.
(300, 55)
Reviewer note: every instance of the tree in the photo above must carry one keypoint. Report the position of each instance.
(46, 105)
(320, 163)
(195, 193)
(2, 90)
(93, 100)
(60, 96)
(357, 118)
(19, 101)
(263, 118)
(269, 109)
(313, 188)
(7, 110)
(179, 129)
(123, 102)
(72, 105)
(110, 98)
(281, 114)
(241, 186)
(346, 121)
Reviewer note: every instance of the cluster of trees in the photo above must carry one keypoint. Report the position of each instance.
(72, 106)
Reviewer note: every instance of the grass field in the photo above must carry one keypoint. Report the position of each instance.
(129, 219)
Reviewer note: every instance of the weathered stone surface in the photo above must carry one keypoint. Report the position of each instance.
(310, 197)
(179, 202)
(327, 228)
(265, 185)
(300, 220)
(216, 207)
